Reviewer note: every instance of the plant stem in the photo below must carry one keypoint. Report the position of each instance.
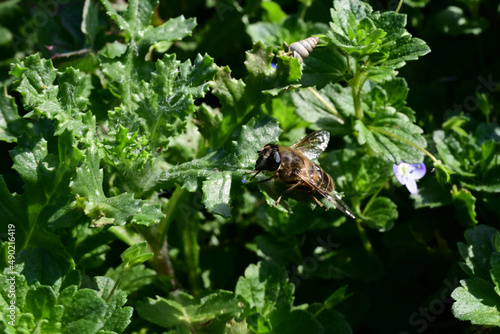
(372, 199)
(433, 158)
(362, 232)
(399, 6)
(191, 249)
(177, 197)
(364, 237)
(117, 283)
(303, 10)
(327, 105)
(356, 86)
(319, 312)
(157, 236)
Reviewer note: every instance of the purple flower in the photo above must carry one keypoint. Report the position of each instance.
(408, 173)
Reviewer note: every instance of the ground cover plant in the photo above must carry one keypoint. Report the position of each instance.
(128, 132)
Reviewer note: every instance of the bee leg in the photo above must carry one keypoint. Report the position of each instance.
(318, 202)
(291, 188)
(268, 179)
(254, 174)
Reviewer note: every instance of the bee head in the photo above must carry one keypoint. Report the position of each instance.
(269, 158)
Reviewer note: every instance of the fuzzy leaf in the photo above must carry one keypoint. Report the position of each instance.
(209, 311)
(464, 202)
(240, 99)
(46, 202)
(388, 133)
(64, 103)
(378, 39)
(476, 301)
(49, 292)
(135, 254)
(265, 287)
(11, 124)
(219, 168)
(323, 66)
(327, 108)
(381, 214)
(103, 210)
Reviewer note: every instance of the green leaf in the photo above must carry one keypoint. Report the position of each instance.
(356, 173)
(381, 214)
(477, 302)
(126, 150)
(495, 264)
(332, 321)
(117, 317)
(165, 312)
(388, 93)
(289, 30)
(258, 324)
(11, 124)
(172, 30)
(158, 110)
(431, 195)
(86, 312)
(210, 311)
(476, 252)
(265, 287)
(390, 134)
(327, 109)
(135, 255)
(379, 40)
(90, 20)
(216, 189)
(219, 169)
(240, 99)
(135, 279)
(46, 202)
(464, 202)
(337, 297)
(118, 210)
(41, 302)
(155, 99)
(64, 103)
(112, 13)
(471, 157)
(456, 124)
(442, 172)
(274, 11)
(453, 151)
(284, 320)
(322, 67)
(49, 293)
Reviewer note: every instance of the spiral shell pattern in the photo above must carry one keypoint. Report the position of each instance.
(303, 48)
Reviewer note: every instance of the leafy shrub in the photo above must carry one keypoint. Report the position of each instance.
(126, 135)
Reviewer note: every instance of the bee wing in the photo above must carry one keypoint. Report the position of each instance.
(313, 144)
(337, 201)
(339, 204)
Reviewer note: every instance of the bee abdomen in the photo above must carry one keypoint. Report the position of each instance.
(303, 48)
(326, 182)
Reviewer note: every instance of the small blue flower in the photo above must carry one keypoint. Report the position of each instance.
(408, 173)
(273, 65)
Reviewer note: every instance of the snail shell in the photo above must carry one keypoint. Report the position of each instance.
(303, 48)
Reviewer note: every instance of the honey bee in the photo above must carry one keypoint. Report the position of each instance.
(293, 166)
(303, 48)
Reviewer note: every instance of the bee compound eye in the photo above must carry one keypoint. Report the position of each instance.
(274, 162)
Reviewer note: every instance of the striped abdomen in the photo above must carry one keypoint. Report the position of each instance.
(293, 162)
